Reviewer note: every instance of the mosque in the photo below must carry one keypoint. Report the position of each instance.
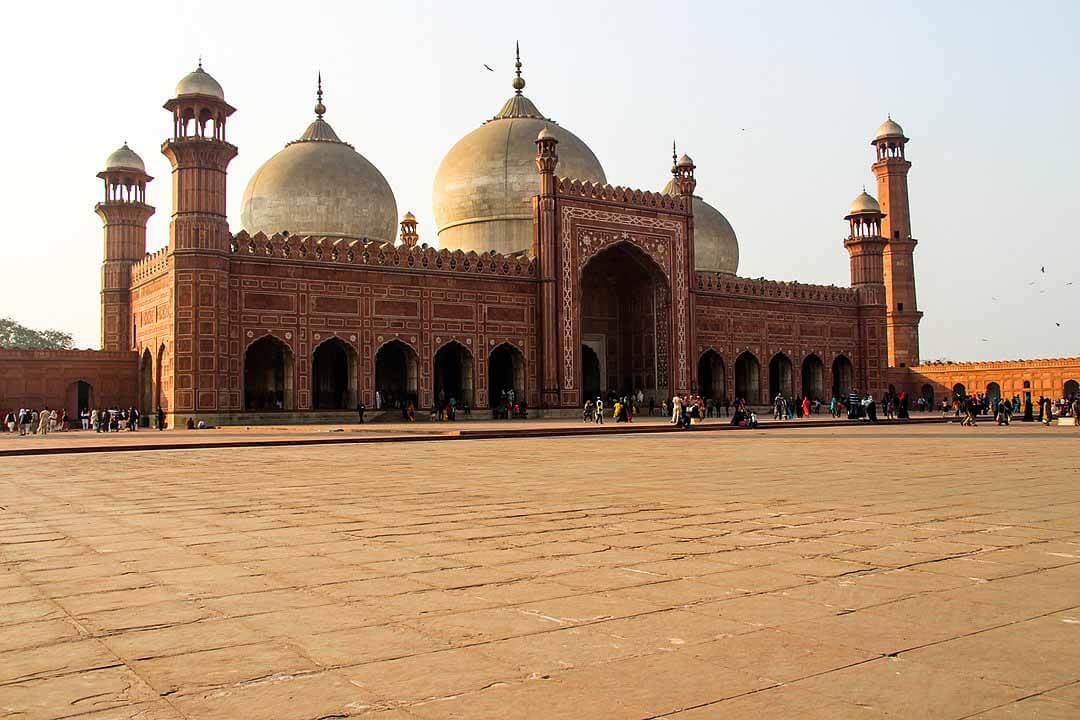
(547, 281)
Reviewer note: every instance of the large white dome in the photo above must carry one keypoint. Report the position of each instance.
(319, 185)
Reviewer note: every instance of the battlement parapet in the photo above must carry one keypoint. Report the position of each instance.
(152, 265)
(378, 255)
(722, 284)
(645, 199)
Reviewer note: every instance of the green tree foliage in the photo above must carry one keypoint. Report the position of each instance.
(19, 337)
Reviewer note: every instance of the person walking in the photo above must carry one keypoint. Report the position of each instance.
(43, 421)
(599, 411)
(160, 419)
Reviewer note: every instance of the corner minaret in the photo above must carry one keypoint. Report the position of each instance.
(199, 247)
(125, 214)
(866, 247)
(902, 313)
(409, 236)
(200, 157)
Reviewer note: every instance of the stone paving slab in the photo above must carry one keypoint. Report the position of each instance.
(847, 572)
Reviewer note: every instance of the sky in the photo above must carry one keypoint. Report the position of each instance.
(776, 102)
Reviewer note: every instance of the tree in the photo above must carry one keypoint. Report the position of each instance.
(19, 337)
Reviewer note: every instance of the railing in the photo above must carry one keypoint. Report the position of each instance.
(150, 266)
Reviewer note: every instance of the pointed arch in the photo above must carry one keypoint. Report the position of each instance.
(748, 378)
(506, 371)
(712, 376)
(397, 374)
(146, 382)
(333, 375)
(453, 374)
(780, 373)
(843, 376)
(269, 375)
(813, 378)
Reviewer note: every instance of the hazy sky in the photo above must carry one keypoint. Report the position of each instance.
(987, 92)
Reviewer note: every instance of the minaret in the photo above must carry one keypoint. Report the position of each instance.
(199, 245)
(866, 247)
(125, 214)
(409, 236)
(891, 169)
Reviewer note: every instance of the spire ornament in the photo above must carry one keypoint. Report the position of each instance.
(519, 82)
(320, 109)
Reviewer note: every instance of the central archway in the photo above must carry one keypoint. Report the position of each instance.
(780, 376)
(625, 311)
(748, 378)
(268, 375)
(396, 375)
(333, 376)
(506, 372)
(813, 378)
(712, 376)
(453, 366)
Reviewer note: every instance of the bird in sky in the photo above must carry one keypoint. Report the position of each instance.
(489, 67)
(1068, 284)
(1031, 283)
(1043, 268)
(1058, 324)
(985, 340)
(993, 298)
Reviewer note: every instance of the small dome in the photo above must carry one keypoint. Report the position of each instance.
(716, 248)
(199, 82)
(864, 203)
(125, 159)
(319, 185)
(409, 216)
(889, 129)
(684, 162)
(545, 134)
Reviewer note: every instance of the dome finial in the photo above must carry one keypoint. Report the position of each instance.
(519, 82)
(320, 109)
(200, 63)
(674, 155)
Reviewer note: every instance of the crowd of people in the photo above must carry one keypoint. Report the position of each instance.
(1002, 410)
(29, 421)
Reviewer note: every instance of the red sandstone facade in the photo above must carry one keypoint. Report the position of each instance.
(235, 328)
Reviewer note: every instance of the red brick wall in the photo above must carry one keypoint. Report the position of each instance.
(37, 378)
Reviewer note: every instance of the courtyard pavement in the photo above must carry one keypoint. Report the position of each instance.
(926, 572)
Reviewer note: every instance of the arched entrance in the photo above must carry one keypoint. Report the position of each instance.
(813, 378)
(712, 376)
(506, 371)
(453, 368)
(590, 373)
(928, 395)
(748, 378)
(1071, 388)
(780, 376)
(396, 366)
(993, 391)
(624, 310)
(843, 377)
(80, 396)
(159, 393)
(333, 376)
(146, 383)
(959, 391)
(268, 375)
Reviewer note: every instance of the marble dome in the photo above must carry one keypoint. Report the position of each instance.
(199, 82)
(483, 190)
(864, 203)
(716, 248)
(320, 185)
(125, 158)
(889, 129)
